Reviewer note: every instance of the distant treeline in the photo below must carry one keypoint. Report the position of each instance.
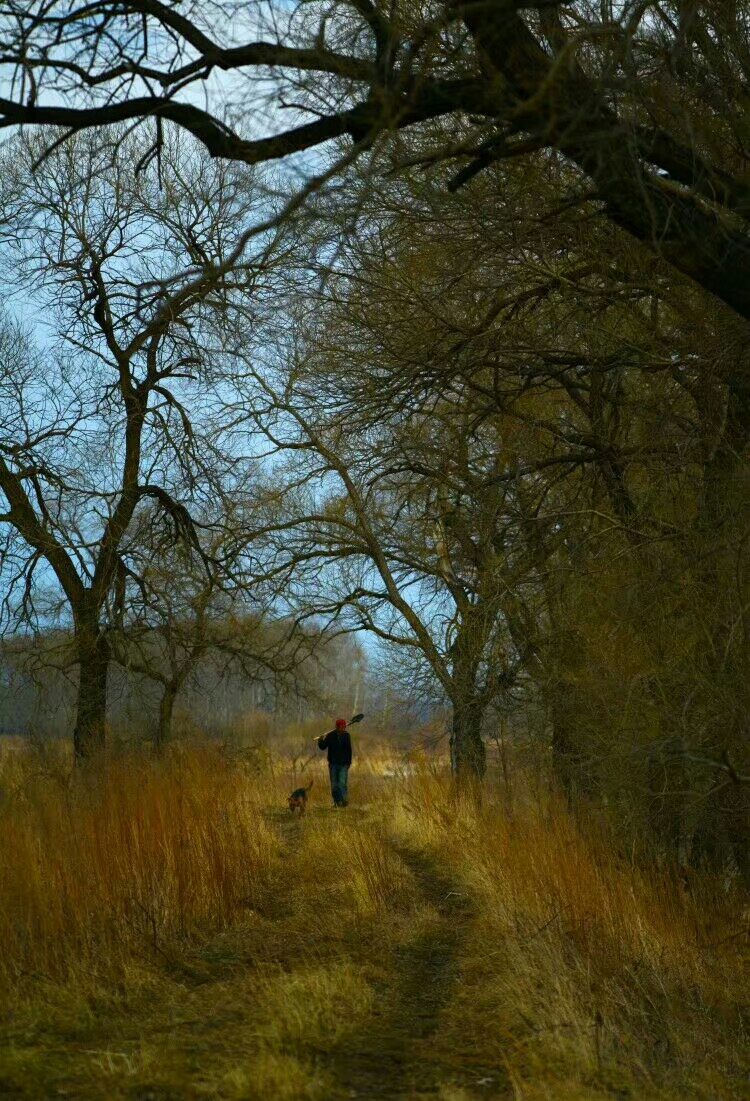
(220, 694)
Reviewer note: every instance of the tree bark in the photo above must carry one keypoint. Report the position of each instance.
(166, 706)
(708, 845)
(166, 709)
(468, 754)
(89, 736)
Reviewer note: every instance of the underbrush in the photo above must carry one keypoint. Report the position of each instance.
(170, 930)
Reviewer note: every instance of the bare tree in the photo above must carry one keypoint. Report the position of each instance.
(184, 611)
(408, 529)
(599, 393)
(105, 420)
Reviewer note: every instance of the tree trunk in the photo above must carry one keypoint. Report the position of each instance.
(166, 709)
(466, 743)
(735, 807)
(468, 754)
(91, 718)
(571, 749)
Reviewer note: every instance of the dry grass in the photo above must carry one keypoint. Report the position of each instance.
(599, 978)
(170, 931)
(95, 866)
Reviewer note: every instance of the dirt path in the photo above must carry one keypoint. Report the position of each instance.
(409, 1048)
(396, 1056)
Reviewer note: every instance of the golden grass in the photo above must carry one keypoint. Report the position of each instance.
(169, 930)
(95, 867)
(597, 975)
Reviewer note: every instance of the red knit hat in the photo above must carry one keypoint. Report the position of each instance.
(340, 722)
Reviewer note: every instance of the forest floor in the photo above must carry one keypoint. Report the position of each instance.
(170, 931)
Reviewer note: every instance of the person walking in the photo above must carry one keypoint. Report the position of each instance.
(339, 746)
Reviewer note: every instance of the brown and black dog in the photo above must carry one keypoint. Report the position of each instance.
(298, 799)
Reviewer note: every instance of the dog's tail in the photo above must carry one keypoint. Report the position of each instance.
(309, 785)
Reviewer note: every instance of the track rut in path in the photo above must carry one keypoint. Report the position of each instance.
(397, 1057)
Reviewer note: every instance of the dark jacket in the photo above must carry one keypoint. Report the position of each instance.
(339, 746)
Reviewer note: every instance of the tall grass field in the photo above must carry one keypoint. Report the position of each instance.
(169, 930)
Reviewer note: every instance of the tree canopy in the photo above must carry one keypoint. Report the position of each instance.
(644, 102)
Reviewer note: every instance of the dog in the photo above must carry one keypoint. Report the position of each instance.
(298, 799)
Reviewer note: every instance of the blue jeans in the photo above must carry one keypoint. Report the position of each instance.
(338, 775)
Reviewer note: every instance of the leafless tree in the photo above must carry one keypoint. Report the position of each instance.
(601, 386)
(409, 529)
(184, 611)
(121, 410)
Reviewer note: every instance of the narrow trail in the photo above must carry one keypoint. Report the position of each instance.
(396, 1057)
(402, 1052)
